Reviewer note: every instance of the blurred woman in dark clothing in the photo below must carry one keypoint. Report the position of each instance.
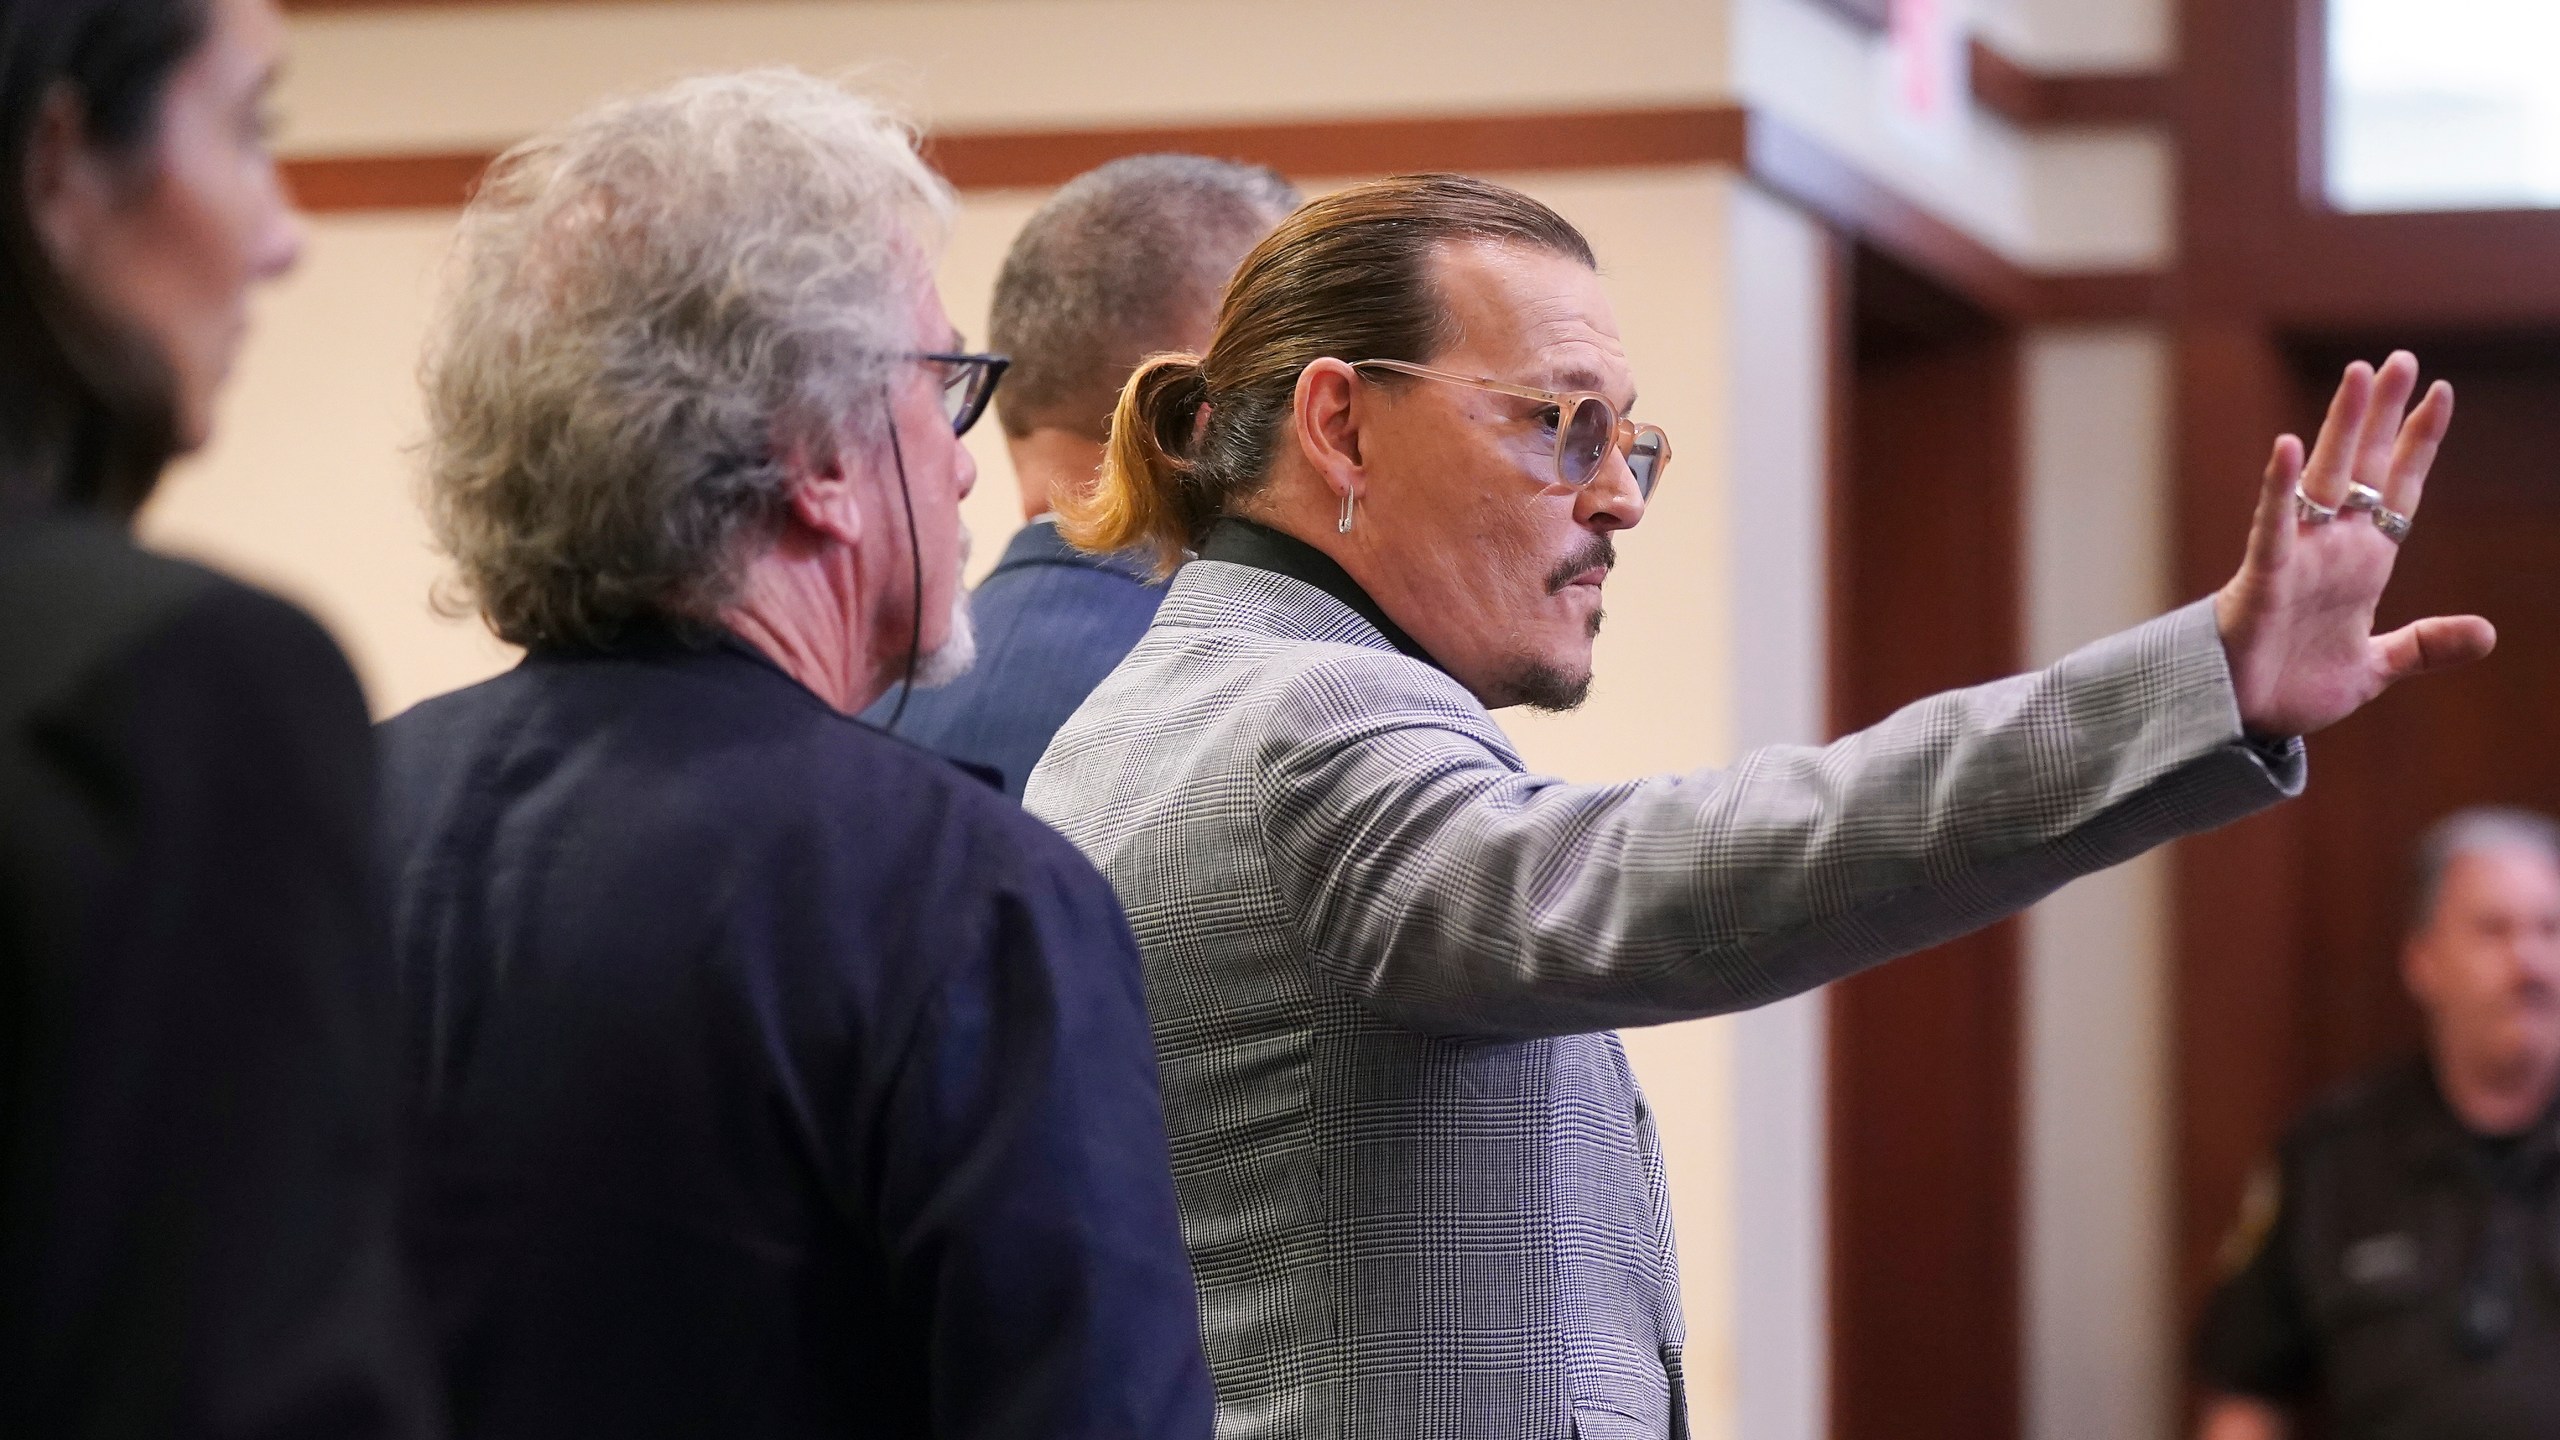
(195, 1069)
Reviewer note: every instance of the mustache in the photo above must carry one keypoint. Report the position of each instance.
(1601, 552)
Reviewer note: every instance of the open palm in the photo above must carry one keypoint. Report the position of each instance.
(2297, 621)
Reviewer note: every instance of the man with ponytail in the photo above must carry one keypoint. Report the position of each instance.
(1421, 1193)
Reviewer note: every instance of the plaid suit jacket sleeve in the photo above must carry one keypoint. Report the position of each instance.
(1453, 893)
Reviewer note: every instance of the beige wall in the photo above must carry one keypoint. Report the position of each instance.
(311, 489)
(311, 484)
(459, 77)
(1663, 697)
(308, 485)
(2101, 1363)
(1715, 623)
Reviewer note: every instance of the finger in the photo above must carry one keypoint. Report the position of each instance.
(2415, 454)
(2271, 528)
(2324, 476)
(2440, 642)
(2393, 384)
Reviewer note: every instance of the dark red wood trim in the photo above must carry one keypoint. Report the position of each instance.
(1595, 140)
(2095, 296)
(327, 185)
(1777, 156)
(332, 7)
(986, 160)
(2034, 99)
(1923, 1057)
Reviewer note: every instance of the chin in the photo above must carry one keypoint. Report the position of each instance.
(955, 654)
(191, 430)
(1543, 685)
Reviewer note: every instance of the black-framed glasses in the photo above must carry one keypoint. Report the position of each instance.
(1587, 427)
(968, 383)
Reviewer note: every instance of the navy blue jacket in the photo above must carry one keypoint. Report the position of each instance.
(1052, 621)
(777, 1078)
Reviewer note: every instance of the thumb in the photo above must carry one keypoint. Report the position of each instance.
(2440, 642)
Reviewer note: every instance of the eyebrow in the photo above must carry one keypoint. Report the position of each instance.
(1576, 377)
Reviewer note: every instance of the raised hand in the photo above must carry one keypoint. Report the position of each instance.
(2297, 621)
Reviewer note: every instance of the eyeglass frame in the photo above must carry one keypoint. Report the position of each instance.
(974, 402)
(1623, 432)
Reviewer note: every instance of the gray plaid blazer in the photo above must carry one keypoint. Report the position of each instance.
(1419, 1185)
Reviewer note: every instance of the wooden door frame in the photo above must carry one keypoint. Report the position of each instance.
(1883, 1080)
(2266, 265)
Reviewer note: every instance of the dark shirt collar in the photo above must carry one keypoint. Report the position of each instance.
(2521, 1161)
(1242, 542)
(656, 638)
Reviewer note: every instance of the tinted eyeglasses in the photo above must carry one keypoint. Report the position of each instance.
(1587, 427)
(968, 383)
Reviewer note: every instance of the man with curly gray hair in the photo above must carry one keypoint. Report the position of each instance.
(777, 1079)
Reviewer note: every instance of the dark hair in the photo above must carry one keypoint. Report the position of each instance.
(87, 412)
(1348, 276)
(1114, 268)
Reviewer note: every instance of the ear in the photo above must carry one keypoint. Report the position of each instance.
(68, 188)
(824, 499)
(1326, 418)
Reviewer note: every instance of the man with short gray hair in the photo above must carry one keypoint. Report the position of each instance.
(2393, 1269)
(1125, 261)
(776, 1079)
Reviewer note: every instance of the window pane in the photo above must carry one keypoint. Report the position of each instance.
(2444, 104)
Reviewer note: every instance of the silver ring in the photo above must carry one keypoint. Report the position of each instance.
(2391, 523)
(2311, 511)
(2362, 497)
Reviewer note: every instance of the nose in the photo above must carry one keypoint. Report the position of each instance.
(280, 240)
(284, 248)
(965, 469)
(1611, 501)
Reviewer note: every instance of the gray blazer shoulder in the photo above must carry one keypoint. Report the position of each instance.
(1377, 950)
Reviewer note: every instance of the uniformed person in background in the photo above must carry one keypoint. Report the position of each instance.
(2398, 1270)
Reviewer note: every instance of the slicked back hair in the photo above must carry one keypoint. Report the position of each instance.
(1119, 265)
(1347, 276)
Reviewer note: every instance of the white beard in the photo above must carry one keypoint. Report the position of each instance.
(959, 648)
(958, 651)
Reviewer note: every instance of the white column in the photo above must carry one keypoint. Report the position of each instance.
(2100, 1356)
(1780, 382)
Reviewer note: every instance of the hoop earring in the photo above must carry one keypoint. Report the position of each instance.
(1343, 526)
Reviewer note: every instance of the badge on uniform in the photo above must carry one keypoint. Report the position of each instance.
(2380, 1259)
(2250, 1228)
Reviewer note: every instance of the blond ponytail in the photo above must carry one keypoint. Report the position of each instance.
(1145, 496)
